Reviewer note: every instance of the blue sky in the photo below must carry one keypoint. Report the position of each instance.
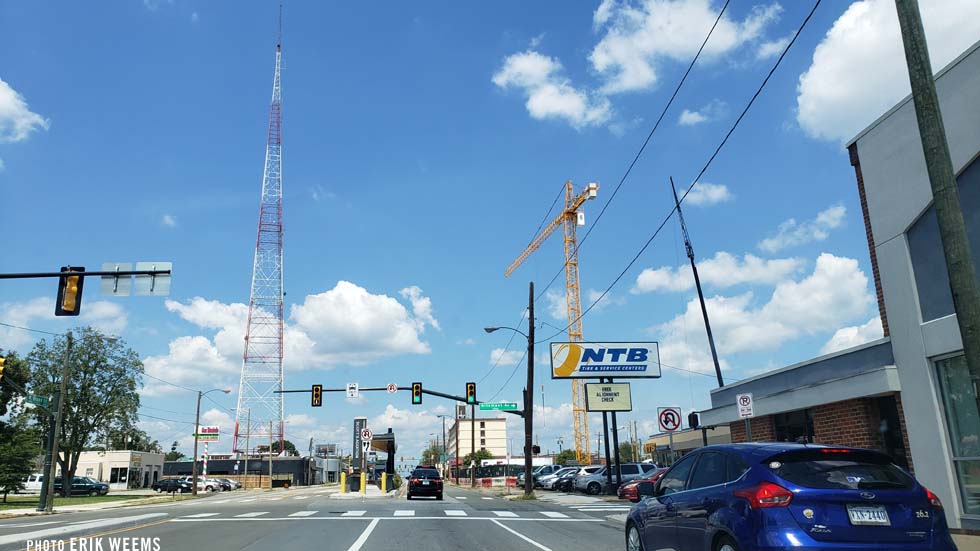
(423, 145)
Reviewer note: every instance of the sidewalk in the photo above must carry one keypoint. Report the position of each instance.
(370, 492)
(967, 543)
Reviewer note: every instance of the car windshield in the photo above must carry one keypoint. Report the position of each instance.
(425, 473)
(844, 469)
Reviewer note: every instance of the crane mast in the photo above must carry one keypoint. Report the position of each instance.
(569, 219)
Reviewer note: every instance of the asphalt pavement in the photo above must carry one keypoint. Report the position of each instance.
(314, 518)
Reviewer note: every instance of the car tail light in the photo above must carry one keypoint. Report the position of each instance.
(934, 500)
(765, 495)
(413, 480)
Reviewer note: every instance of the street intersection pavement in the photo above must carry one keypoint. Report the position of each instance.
(308, 518)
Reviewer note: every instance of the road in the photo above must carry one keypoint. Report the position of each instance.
(309, 518)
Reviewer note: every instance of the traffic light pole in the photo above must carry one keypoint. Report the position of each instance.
(51, 459)
(529, 397)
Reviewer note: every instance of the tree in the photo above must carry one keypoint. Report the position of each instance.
(477, 457)
(173, 454)
(564, 457)
(287, 445)
(432, 454)
(103, 378)
(18, 441)
(626, 453)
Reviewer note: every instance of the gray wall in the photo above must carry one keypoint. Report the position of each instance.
(898, 192)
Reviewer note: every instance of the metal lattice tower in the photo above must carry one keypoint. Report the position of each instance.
(258, 400)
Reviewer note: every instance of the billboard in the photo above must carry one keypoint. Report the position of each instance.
(360, 423)
(608, 397)
(621, 360)
(208, 433)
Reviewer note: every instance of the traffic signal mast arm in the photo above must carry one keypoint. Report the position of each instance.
(31, 275)
(462, 399)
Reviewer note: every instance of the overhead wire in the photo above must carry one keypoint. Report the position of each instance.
(704, 169)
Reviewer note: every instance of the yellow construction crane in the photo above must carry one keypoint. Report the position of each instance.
(569, 219)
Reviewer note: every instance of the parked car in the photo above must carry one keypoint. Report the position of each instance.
(548, 481)
(82, 486)
(567, 483)
(203, 484)
(628, 489)
(425, 481)
(749, 497)
(32, 483)
(538, 472)
(171, 485)
(229, 484)
(597, 482)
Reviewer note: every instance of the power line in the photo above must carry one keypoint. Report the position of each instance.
(34, 330)
(643, 147)
(506, 348)
(170, 383)
(511, 376)
(700, 173)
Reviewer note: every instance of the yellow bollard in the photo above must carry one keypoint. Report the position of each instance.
(363, 483)
(384, 483)
(343, 482)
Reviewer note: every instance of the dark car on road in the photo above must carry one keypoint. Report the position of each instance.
(425, 481)
(762, 497)
(82, 486)
(171, 485)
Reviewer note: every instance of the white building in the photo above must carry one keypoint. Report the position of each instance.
(121, 469)
(484, 434)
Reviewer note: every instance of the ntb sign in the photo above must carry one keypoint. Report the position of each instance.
(621, 360)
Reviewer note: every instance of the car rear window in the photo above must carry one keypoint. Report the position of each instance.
(426, 473)
(824, 468)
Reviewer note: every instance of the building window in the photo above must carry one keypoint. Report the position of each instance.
(793, 426)
(118, 474)
(958, 387)
(483, 424)
(483, 433)
(483, 442)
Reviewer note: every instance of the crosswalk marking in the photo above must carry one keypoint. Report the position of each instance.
(247, 500)
(273, 498)
(220, 501)
(301, 497)
(461, 497)
(487, 498)
(605, 509)
(252, 514)
(553, 514)
(405, 513)
(509, 514)
(354, 514)
(455, 513)
(201, 515)
(303, 513)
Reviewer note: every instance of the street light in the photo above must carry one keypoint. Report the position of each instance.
(445, 453)
(197, 428)
(528, 391)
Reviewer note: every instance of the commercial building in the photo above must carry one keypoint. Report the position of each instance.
(121, 469)
(666, 448)
(286, 471)
(485, 433)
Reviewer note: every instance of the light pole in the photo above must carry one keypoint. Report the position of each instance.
(197, 428)
(445, 453)
(528, 390)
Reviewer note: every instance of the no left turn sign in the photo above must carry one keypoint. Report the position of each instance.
(669, 418)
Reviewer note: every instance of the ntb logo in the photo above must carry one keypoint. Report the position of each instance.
(594, 360)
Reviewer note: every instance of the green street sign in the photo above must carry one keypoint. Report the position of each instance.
(510, 406)
(37, 400)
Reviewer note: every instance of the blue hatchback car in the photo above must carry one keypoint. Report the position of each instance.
(755, 497)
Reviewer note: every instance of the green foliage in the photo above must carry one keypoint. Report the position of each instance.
(626, 453)
(15, 371)
(396, 481)
(19, 442)
(287, 445)
(103, 379)
(431, 455)
(564, 457)
(477, 457)
(173, 454)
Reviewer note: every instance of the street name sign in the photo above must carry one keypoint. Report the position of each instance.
(500, 406)
(37, 400)
(590, 360)
(608, 397)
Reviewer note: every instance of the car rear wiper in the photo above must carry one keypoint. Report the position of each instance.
(869, 484)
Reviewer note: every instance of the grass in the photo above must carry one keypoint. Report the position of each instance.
(30, 501)
(525, 497)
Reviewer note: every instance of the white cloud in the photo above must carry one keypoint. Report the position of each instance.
(847, 337)
(705, 194)
(772, 48)
(466, 342)
(500, 356)
(107, 317)
(190, 362)
(641, 37)
(421, 307)
(2, 166)
(550, 95)
(169, 220)
(792, 233)
(556, 305)
(858, 70)
(215, 416)
(592, 295)
(318, 192)
(835, 293)
(17, 121)
(412, 427)
(722, 270)
(710, 112)
(195, 17)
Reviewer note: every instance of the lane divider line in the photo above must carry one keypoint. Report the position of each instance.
(359, 542)
(520, 535)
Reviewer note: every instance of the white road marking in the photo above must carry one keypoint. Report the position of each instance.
(520, 535)
(273, 498)
(32, 524)
(303, 513)
(405, 513)
(247, 500)
(252, 514)
(47, 533)
(455, 513)
(461, 497)
(509, 514)
(354, 514)
(276, 519)
(487, 498)
(552, 514)
(606, 509)
(220, 501)
(202, 515)
(359, 542)
(301, 497)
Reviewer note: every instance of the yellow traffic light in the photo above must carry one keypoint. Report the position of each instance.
(70, 292)
(470, 393)
(2, 361)
(416, 393)
(317, 396)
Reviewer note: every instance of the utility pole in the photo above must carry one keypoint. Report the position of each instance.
(52, 467)
(615, 435)
(197, 429)
(248, 432)
(952, 230)
(529, 396)
(270, 456)
(445, 454)
(459, 463)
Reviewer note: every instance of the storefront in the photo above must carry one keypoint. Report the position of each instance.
(121, 469)
(666, 448)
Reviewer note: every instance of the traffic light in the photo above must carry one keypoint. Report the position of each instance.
(416, 394)
(2, 360)
(535, 449)
(69, 292)
(317, 399)
(470, 393)
(693, 421)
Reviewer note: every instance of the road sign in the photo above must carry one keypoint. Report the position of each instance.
(152, 285)
(592, 360)
(352, 390)
(366, 434)
(608, 397)
(669, 418)
(208, 433)
(365, 446)
(37, 400)
(503, 406)
(392, 388)
(117, 285)
(745, 406)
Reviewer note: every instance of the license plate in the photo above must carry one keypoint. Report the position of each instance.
(425, 482)
(868, 515)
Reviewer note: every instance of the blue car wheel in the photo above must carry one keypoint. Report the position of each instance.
(633, 542)
(726, 544)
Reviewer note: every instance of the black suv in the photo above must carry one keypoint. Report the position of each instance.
(83, 486)
(171, 485)
(425, 481)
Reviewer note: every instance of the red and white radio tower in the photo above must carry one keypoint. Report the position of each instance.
(259, 415)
